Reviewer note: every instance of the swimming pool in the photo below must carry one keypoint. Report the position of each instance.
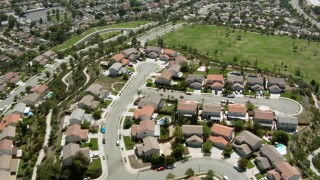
(163, 120)
(281, 149)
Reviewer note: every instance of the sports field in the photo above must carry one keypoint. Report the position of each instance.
(272, 52)
(77, 38)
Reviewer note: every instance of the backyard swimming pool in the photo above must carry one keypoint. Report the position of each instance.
(281, 149)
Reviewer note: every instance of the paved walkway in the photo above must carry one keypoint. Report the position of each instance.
(64, 80)
(87, 75)
(311, 164)
(45, 143)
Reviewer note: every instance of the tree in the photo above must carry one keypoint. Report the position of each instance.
(160, 42)
(11, 21)
(169, 160)
(48, 74)
(178, 133)
(243, 162)
(207, 146)
(49, 170)
(189, 172)
(184, 67)
(79, 163)
(206, 131)
(63, 66)
(238, 124)
(97, 114)
(157, 159)
(42, 47)
(40, 21)
(28, 88)
(280, 137)
(210, 175)
(178, 151)
(134, 42)
(170, 176)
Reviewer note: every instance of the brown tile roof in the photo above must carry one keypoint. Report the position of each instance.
(187, 105)
(222, 130)
(267, 115)
(239, 108)
(147, 125)
(12, 118)
(166, 74)
(179, 59)
(146, 110)
(169, 52)
(125, 61)
(76, 130)
(5, 161)
(216, 84)
(194, 138)
(192, 129)
(286, 170)
(215, 77)
(275, 174)
(118, 57)
(10, 75)
(6, 144)
(39, 89)
(210, 107)
(218, 139)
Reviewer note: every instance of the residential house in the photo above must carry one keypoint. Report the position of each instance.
(8, 132)
(4, 58)
(220, 135)
(97, 91)
(152, 55)
(235, 79)
(50, 55)
(280, 82)
(171, 53)
(211, 111)
(118, 57)
(187, 108)
(88, 102)
(6, 147)
(194, 141)
(164, 78)
(164, 57)
(149, 147)
(31, 99)
(257, 88)
(179, 60)
(5, 161)
(285, 171)
(237, 111)
(153, 49)
(39, 60)
(11, 77)
(246, 143)
(144, 113)
(268, 157)
(76, 116)
(237, 87)
(132, 54)
(275, 89)
(251, 81)
(116, 69)
(152, 100)
(215, 81)
(190, 130)
(70, 150)
(287, 123)
(175, 69)
(41, 89)
(3, 85)
(264, 118)
(144, 129)
(75, 134)
(18, 109)
(195, 81)
(10, 120)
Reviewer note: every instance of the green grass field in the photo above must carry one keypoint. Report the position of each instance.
(270, 51)
(108, 35)
(76, 38)
(128, 142)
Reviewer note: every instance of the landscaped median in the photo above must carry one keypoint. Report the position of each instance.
(73, 40)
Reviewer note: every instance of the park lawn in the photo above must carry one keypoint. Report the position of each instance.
(290, 95)
(108, 35)
(94, 169)
(70, 42)
(128, 142)
(222, 43)
(54, 17)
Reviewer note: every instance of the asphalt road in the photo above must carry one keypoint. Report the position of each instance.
(295, 5)
(116, 169)
(281, 105)
(157, 33)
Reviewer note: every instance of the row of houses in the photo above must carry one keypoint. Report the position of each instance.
(9, 77)
(43, 59)
(37, 94)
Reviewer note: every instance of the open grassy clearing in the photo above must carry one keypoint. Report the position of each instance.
(271, 52)
(77, 38)
(108, 35)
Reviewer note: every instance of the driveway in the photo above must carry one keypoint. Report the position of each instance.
(195, 152)
(166, 148)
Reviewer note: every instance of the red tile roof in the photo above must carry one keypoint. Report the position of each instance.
(146, 110)
(118, 57)
(267, 115)
(6, 144)
(76, 130)
(239, 108)
(222, 130)
(12, 118)
(187, 105)
(215, 77)
(169, 52)
(218, 139)
(39, 89)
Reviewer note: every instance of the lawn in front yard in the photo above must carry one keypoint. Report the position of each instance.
(20, 168)
(290, 95)
(94, 169)
(137, 163)
(164, 133)
(250, 164)
(259, 176)
(129, 143)
(132, 109)
(93, 144)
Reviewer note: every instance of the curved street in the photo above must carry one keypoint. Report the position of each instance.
(116, 169)
(295, 5)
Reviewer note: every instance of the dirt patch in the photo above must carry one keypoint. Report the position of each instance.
(117, 86)
(166, 148)
(69, 80)
(137, 163)
(107, 82)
